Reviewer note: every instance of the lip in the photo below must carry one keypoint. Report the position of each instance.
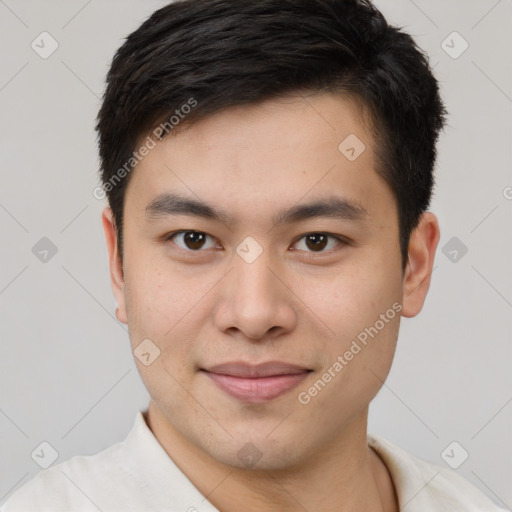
(256, 383)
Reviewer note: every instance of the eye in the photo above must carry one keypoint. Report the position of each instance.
(192, 240)
(317, 242)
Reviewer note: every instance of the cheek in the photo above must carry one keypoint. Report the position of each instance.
(160, 309)
(153, 305)
(166, 307)
(349, 300)
(361, 307)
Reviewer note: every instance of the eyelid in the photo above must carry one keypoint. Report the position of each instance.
(169, 236)
(341, 239)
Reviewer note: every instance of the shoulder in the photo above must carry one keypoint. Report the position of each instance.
(75, 484)
(421, 485)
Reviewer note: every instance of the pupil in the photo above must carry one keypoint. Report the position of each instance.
(194, 239)
(316, 241)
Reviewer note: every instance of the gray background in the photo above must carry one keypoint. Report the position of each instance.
(66, 370)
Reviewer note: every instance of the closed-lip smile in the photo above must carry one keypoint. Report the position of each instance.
(256, 383)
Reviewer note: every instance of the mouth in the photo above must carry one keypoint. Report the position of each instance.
(256, 383)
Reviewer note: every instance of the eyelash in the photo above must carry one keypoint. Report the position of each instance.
(342, 240)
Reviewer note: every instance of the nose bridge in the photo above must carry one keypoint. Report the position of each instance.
(254, 283)
(254, 300)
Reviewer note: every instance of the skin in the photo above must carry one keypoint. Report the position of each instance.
(292, 304)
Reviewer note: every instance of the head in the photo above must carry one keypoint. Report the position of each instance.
(268, 167)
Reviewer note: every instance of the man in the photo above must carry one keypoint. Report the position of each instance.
(268, 167)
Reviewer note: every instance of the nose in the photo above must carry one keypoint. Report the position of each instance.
(255, 300)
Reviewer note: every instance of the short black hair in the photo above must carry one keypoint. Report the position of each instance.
(209, 55)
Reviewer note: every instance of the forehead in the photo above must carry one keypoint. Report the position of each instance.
(271, 154)
(293, 118)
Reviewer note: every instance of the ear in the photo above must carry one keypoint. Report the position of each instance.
(116, 267)
(420, 261)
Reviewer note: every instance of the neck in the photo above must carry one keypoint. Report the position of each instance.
(346, 475)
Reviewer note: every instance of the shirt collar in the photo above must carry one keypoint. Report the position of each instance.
(164, 482)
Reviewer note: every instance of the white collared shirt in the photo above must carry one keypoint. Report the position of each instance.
(138, 475)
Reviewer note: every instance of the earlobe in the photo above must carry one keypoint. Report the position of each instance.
(116, 268)
(420, 262)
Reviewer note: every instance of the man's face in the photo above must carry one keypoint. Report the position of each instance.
(253, 287)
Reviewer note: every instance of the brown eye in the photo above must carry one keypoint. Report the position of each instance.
(316, 241)
(193, 240)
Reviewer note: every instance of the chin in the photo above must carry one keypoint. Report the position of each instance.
(257, 452)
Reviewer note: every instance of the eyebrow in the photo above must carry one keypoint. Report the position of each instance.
(331, 207)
